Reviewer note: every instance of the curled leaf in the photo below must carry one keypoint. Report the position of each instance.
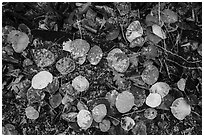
(137, 42)
(111, 97)
(81, 105)
(105, 125)
(23, 28)
(69, 117)
(113, 34)
(67, 99)
(34, 95)
(139, 128)
(54, 86)
(127, 123)
(134, 30)
(9, 129)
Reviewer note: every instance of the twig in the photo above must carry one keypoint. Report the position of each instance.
(136, 111)
(179, 56)
(167, 69)
(79, 27)
(159, 12)
(183, 66)
(113, 118)
(123, 33)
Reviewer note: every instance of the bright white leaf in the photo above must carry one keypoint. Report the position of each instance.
(153, 100)
(67, 45)
(42, 79)
(157, 30)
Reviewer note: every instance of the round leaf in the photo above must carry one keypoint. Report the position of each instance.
(118, 60)
(19, 40)
(161, 88)
(65, 65)
(124, 101)
(43, 57)
(55, 100)
(80, 83)
(150, 74)
(84, 119)
(180, 109)
(41, 80)
(99, 112)
(153, 100)
(95, 54)
(31, 113)
(169, 16)
(150, 113)
(181, 84)
(79, 48)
